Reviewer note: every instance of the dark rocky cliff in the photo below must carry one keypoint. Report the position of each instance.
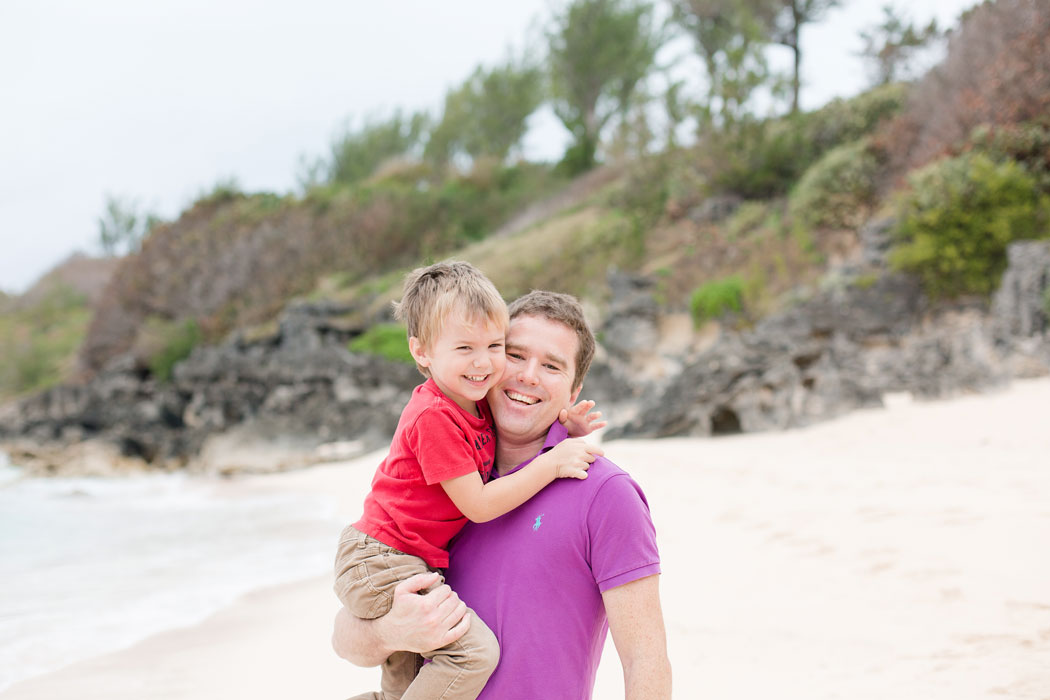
(273, 402)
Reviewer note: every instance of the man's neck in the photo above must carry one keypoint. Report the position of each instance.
(510, 453)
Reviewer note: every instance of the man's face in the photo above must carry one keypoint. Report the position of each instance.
(537, 381)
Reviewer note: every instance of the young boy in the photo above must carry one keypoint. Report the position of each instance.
(434, 477)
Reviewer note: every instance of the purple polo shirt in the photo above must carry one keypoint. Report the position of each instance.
(536, 576)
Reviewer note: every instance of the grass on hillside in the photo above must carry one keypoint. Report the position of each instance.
(38, 344)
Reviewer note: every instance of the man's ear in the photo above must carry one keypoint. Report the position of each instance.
(575, 395)
(418, 352)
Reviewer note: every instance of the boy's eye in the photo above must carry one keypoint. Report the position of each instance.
(496, 346)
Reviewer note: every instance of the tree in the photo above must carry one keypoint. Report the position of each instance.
(785, 19)
(122, 227)
(891, 45)
(506, 96)
(358, 152)
(729, 37)
(487, 114)
(600, 50)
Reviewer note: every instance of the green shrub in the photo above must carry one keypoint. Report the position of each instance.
(176, 340)
(842, 121)
(38, 343)
(836, 190)
(761, 159)
(645, 191)
(958, 217)
(713, 299)
(1046, 302)
(866, 281)
(748, 217)
(385, 340)
(1027, 143)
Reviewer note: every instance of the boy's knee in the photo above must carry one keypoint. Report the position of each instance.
(488, 652)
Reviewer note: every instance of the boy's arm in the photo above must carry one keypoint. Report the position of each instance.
(482, 502)
(418, 623)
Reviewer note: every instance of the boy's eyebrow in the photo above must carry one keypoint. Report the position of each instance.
(469, 341)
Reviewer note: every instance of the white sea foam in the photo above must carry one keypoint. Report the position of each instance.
(93, 565)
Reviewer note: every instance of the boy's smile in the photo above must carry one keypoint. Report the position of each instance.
(465, 360)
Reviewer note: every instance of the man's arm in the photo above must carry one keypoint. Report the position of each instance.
(418, 623)
(637, 626)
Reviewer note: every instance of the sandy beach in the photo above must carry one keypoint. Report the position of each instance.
(895, 553)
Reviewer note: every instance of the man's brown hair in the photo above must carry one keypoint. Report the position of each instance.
(434, 293)
(564, 309)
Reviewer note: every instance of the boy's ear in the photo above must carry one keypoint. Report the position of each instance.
(418, 352)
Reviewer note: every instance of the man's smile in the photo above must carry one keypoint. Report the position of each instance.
(521, 398)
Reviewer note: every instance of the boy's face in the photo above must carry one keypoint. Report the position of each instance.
(465, 360)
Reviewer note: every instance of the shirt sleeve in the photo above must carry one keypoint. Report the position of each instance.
(622, 535)
(441, 446)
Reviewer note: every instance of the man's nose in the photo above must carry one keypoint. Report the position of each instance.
(528, 372)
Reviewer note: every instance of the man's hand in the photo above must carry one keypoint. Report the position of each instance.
(417, 623)
(579, 422)
(422, 623)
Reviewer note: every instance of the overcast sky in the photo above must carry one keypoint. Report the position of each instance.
(158, 100)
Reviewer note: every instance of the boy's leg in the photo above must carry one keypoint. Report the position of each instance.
(398, 672)
(459, 670)
(366, 573)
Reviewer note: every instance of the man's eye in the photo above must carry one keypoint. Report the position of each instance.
(513, 355)
(554, 368)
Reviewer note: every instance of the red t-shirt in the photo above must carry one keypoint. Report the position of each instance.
(435, 440)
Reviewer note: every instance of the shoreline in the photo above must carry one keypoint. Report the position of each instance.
(890, 552)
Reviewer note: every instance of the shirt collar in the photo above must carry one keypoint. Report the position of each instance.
(555, 434)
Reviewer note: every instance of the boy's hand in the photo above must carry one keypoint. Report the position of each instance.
(579, 422)
(572, 458)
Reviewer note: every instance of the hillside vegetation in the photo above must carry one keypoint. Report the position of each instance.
(745, 221)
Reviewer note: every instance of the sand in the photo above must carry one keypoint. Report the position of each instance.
(892, 553)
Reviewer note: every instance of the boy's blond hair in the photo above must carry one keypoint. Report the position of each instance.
(434, 293)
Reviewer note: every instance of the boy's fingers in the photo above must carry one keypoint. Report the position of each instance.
(563, 415)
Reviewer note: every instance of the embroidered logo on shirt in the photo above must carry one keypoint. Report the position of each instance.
(537, 524)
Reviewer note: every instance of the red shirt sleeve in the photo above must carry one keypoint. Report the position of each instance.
(441, 446)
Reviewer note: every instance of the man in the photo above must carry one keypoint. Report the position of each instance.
(550, 577)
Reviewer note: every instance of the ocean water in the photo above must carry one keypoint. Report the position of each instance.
(89, 566)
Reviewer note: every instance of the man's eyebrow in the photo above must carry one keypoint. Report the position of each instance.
(557, 359)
